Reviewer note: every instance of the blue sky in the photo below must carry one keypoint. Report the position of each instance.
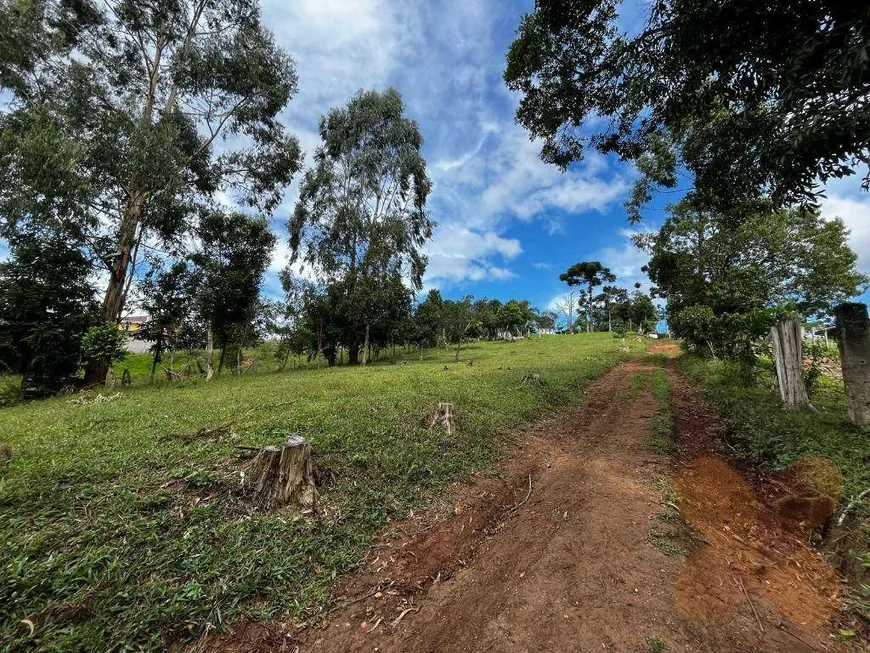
(508, 224)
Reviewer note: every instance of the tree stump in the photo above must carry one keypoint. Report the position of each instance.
(788, 341)
(444, 417)
(283, 475)
(853, 339)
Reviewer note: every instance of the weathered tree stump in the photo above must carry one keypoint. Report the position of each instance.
(283, 475)
(444, 417)
(853, 339)
(788, 341)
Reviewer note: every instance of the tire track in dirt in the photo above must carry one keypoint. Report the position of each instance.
(567, 566)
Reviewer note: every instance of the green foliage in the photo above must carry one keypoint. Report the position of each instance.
(656, 644)
(747, 95)
(361, 217)
(235, 251)
(104, 343)
(590, 274)
(728, 280)
(133, 116)
(46, 305)
(119, 534)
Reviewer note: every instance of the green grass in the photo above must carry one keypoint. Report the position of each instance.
(122, 529)
(662, 437)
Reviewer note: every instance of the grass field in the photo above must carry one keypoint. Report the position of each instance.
(122, 529)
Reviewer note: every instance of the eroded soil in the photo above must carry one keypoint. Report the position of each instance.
(556, 550)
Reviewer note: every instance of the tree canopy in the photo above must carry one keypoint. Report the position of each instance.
(748, 95)
(725, 282)
(361, 218)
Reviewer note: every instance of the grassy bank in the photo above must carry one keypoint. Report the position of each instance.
(762, 432)
(123, 528)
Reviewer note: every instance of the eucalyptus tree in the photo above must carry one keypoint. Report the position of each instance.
(160, 106)
(749, 95)
(361, 217)
(590, 274)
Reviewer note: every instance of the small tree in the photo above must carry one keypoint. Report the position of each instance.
(590, 274)
(104, 345)
(168, 298)
(458, 319)
(46, 306)
(235, 252)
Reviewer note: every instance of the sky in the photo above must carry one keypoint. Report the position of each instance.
(508, 224)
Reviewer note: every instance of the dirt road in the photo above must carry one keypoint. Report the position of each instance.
(587, 540)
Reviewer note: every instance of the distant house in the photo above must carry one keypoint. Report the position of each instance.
(132, 323)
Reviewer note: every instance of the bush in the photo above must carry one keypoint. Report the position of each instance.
(104, 344)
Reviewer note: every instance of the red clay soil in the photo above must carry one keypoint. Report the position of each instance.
(565, 561)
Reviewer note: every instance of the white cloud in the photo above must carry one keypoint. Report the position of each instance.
(626, 260)
(459, 254)
(855, 213)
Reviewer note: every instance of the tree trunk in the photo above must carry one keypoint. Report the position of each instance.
(444, 417)
(158, 351)
(223, 356)
(353, 352)
(209, 355)
(853, 338)
(421, 352)
(283, 475)
(365, 358)
(787, 339)
(113, 300)
(589, 312)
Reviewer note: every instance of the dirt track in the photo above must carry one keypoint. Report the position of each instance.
(566, 561)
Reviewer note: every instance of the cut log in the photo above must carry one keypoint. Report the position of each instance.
(283, 475)
(787, 337)
(853, 339)
(444, 417)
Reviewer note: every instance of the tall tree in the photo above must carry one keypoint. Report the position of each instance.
(361, 218)
(166, 104)
(590, 274)
(749, 95)
(727, 283)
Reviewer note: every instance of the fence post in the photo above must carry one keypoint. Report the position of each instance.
(853, 338)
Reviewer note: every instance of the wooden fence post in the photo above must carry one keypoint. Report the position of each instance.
(853, 339)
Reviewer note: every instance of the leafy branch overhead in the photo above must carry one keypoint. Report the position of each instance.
(749, 96)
